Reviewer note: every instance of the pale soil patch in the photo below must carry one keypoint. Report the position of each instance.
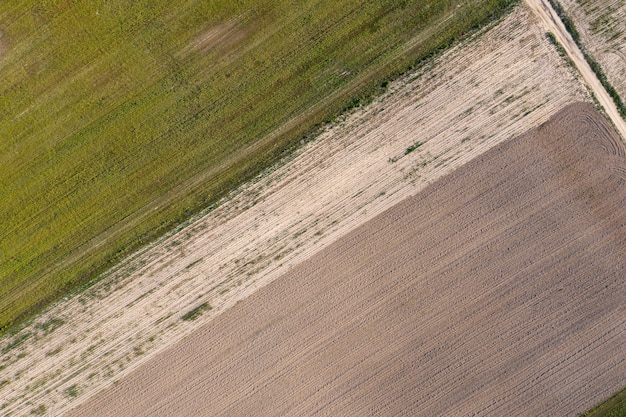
(602, 27)
(224, 34)
(499, 290)
(474, 97)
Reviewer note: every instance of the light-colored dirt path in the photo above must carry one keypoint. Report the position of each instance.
(473, 97)
(553, 23)
(497, 291)
(601, 25)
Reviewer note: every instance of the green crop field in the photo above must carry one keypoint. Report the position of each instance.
(613, 407)
(120, 119)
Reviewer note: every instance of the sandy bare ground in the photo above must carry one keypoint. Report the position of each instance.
(499, 290)
(602, 27)
(552, 23)
(474, 97)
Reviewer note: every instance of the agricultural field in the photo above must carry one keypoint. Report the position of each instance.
(497, 290)
(601, 25)
(119, 120)
(454, 107)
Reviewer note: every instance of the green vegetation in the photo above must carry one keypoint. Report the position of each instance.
(16, 342)
(196, 312)
(559, 48)
(567, 22)
(597, 69)
(39, 411)
(613, 407)
(412, 148)
(121, 119)
(72, 391)
(50, 325)
(595, 66)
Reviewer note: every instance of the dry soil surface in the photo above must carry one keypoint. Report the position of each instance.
(480, 93)
(602, 27)
(552, 23)
(499, 290)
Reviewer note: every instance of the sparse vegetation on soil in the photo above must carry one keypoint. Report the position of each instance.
(593, 63)
(120, 119)
(196, 312)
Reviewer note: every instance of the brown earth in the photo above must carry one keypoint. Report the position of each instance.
(498, 290)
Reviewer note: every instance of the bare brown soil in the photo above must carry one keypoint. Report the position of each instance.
(498, 290)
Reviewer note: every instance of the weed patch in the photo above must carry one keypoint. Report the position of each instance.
(412, 148)
(72, 391)
(196, 312)
(50, 325)
(39, 411)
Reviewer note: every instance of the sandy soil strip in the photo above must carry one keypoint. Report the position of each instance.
(430, 123)
(552, 23)
(497, 291)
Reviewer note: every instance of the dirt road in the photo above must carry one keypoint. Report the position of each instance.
(601, 25)
(496, 291)
(553, 23)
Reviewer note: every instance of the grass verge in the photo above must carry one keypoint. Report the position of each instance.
(595, 66)
(120, 120)
(613, 407)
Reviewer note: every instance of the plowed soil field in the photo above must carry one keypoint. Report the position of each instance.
(497, 290)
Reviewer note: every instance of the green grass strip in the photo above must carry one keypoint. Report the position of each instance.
(613, 407)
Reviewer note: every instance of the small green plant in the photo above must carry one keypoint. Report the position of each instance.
(39, 411)
(196, 312)
(412, 147)
(50, 325)
(72, 391)
(194, 263)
